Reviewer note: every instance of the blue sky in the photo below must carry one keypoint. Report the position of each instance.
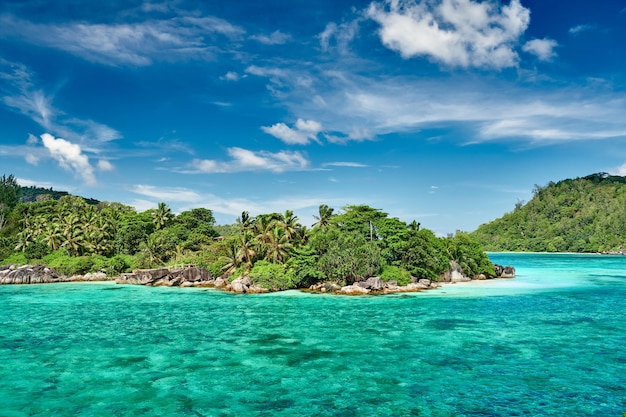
(443, 111)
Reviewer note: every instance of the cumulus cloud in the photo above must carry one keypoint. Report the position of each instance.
(541, 48)
(70, 157)
(246, 160)
(275, 38)
(302, 133)
(621, 170)
(135, 44)
(462, 33)
(230, 76)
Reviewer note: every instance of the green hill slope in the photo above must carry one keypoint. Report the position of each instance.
(574, 215)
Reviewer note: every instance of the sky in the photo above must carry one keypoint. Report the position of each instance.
(447, 112)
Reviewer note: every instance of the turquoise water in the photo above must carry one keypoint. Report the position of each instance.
(551, 342)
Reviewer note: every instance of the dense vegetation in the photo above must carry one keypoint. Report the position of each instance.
(575, 215)
(274, 249)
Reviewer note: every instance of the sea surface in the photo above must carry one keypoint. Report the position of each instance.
(550, 342)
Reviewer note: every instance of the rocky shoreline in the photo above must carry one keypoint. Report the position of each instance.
(41, 274)
(198, 277)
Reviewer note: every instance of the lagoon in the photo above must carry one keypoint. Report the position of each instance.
(550, 342)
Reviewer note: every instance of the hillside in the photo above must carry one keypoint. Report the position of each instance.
(32, 194)
(575, 215)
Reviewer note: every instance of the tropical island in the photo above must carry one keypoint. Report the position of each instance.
(358, 247)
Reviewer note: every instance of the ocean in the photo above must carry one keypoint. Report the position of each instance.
(550, 342)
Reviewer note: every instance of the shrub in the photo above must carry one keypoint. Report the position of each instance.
(274, 277)
(394, 273)
(17, 258)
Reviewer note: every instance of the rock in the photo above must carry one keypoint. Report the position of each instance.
(29, 274)
(239, 285)
(454, 274)
(508, 272)
(392, 284)
(481, 277)
(221, 282)
(375, 283)
(424, 281)
(354, 290)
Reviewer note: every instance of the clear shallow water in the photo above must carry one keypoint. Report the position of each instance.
(551, 342)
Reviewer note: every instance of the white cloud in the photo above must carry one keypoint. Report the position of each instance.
(621, 170)
(541, 48)
(462, 33)
(105, 165)
(167, 193)
(342, 35)
(275, 38)
(302, 133)
(141, 205)
(230, 76)
(576, 30)
(31, 158)
(345, 164)
(136, 44)
(70, 157)
(246, 160)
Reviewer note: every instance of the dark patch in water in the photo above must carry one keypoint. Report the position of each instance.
(568, 322)
(112, 288)
(450, 324)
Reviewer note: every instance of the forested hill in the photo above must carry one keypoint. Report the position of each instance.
(32, 194)
(575, 215)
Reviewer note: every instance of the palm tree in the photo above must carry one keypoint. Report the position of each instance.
(73, 235)
(325, 213)
(231, 259)
(278, 245)
(246, 250)
(245, 221)
(289, 222)
(52, 236)
(162, 216)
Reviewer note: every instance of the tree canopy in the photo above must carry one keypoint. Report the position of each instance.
(575, 215)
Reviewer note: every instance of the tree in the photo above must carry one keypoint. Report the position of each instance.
(9, 197)
(325, 214)
(163, 216)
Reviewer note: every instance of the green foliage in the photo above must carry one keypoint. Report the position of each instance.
(132, 231)
(9, 192)
(303, 265)
(350, 258)
(36, 250)
(394, 273)
(575, 215)
(272, 276)
(468, 253)
(68, 265)
(15, 259)
(424, 255)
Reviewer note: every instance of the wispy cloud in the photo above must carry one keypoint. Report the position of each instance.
(21, 93)
(302, 133)
(345, 164)
(338, 37)
(275, 38)
(462, 33)
(167, 194)
(246, 160)
(577, 30)
(135, 44)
